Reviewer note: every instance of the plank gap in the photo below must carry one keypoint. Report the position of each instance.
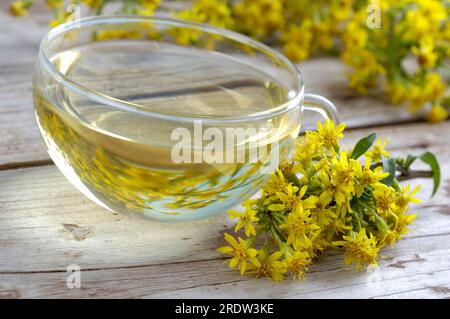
(26, 164)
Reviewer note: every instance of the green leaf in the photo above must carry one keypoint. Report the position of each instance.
(409, 160)
(388, 166)
(363, 145)
(431, 160)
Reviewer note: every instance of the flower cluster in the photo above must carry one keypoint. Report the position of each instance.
(324, 198)
(62, 11)
(407, 49)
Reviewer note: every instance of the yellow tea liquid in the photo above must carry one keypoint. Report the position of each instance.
(122, 160)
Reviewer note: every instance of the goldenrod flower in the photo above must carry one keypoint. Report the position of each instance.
(385, 198)
(339, 225)
(323, 213)
(359, 249)
(20, 8)
(406, 196)
(437, 114)
(291, 198)
(307, 149)
(328, 187)
(215, 12)
(378, 151)
(328, 134)
(369, 177)
(259, 18)
(245, 220)
(399, 228)
(241, 251)
(299, 228)
(425, 53)
(297, 40)
(54, 4)
(297, 263)
(276, 183)
(431, 88)
(93, 4)
(269, 266)
(344, 172)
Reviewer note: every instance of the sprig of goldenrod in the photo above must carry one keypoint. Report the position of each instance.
(409, 50)
(325, 198)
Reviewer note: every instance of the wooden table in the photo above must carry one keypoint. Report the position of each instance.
(46, 224)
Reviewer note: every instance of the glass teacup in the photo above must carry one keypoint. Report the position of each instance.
(163, 118)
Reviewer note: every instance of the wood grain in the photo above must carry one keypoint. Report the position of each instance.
(46, 225)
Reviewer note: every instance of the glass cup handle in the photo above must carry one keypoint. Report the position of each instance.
(321, 105)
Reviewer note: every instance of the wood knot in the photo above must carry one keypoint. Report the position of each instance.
(79, 233)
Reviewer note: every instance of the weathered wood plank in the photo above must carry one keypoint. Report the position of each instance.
(46, 225)
(20, 140)
(426, 274)
(21, 144)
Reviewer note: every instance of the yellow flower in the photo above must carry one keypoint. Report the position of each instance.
(359, 249)
(355, 36)
(328, 188)
(344, 172)
(297, 263)
(399, 228)
(323, 214)
(93, 3)
(431, 88)
(322, 35)
(258, 18)
(369, 177)
(307, 149)
(215, 12)
(269, 266)
(423, 19)
(437, 114)
(297, 41)
(299, 228)
(276, 183)
(295, 52)
(339, 225)
(397, 90)
(54, 4)
(241, 251)
(378, 151)
(148, 4)
(290, 199)
(117, 34)
(20, 8)
(328, 134)
(385, 199)
(246, 220)
(406, 196)
(425, 53)
(366, 68)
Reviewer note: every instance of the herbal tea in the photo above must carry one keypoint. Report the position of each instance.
(123, 160)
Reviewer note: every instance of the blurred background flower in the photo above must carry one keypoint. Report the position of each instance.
(401, 46)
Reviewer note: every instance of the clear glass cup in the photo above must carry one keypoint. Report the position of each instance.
(166, 119)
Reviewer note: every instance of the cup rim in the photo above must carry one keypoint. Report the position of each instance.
(126, 106)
